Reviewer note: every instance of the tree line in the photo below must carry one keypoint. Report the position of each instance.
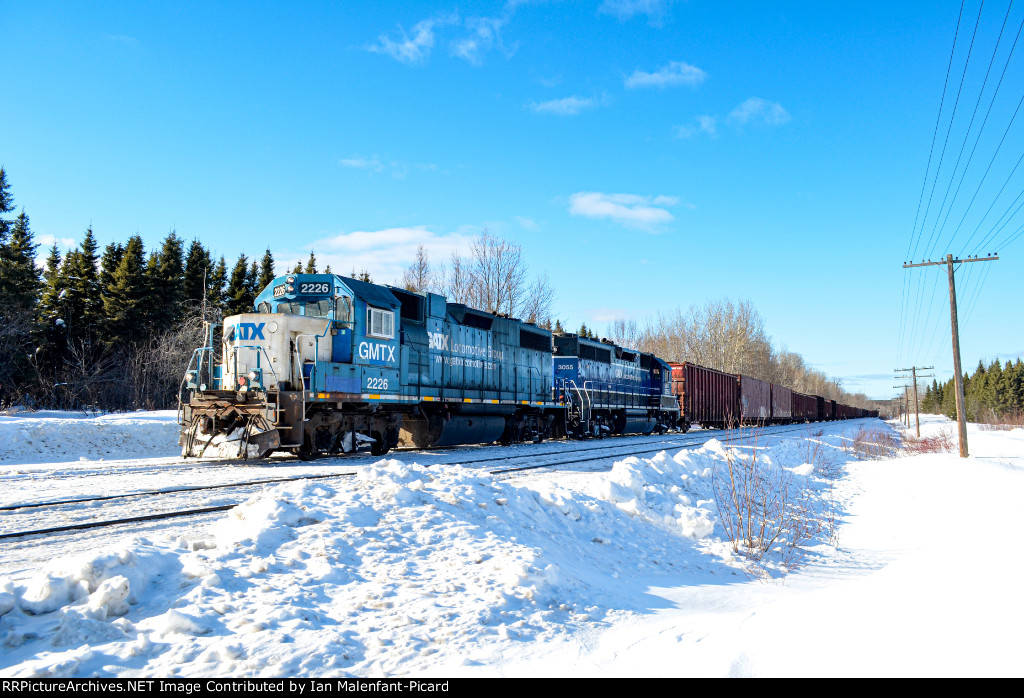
(992, 394)
(731, 337)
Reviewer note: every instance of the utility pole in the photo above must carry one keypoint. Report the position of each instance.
(917, 412)
(905, 400)
(958, 375)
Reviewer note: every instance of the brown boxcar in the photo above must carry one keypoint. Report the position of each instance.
(805, 408)
(825, 410)
(755, 401)
(782, 404)
(707, 397)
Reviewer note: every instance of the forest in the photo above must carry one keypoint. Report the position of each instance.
(992, 394)
(114, 329)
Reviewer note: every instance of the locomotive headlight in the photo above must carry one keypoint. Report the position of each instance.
(252, 375)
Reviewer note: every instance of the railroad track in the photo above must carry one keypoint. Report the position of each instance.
(562, 457)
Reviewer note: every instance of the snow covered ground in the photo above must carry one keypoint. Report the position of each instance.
(410, 570)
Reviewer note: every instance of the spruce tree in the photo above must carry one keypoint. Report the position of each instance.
(239, 298)
(252, 283)
(124, 302)
(166, 281)
(198, 269)
(311, 263)
(82, 304)
(298, 268)
(6, 206)
(216, 292)
(267, 274)
(20, 281)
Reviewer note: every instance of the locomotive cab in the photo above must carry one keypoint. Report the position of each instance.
(296, 374)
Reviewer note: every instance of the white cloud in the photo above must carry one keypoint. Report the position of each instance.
(414, 49)
(360, 163)
(626, 209)
(384, 253)
(675, 73)
(481, 35)
(484, 34)
(567, 106)
(654, 10)
(527, 223)
(759, 110)
(397, 169)
(705, 124)
(46, 242)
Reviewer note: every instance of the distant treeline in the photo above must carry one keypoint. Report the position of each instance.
(991, 394)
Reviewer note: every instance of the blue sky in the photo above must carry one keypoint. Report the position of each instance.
(647, 155)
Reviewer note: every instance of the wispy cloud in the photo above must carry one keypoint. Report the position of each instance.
(757, 110)
(675, 73)
(484, 35)
(46, 242)
(360, 163)
(397, 169)
(654, 10)
(648, 212)
(384, 253)
(567, 106)
(527, 223)
(412, 49)
(704, 124)
(479, 36)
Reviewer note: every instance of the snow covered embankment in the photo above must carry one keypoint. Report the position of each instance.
(54, 437)
(406, 569)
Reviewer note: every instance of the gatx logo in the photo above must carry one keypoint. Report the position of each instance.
(438, 341)
(250, 330)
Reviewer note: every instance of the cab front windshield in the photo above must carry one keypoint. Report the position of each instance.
(338, 309)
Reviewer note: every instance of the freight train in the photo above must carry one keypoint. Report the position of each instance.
(327, 364)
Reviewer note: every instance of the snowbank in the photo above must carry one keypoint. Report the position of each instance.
(55, 437)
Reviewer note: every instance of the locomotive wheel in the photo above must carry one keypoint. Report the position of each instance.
(379, 447)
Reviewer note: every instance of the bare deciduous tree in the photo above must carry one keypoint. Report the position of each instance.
(729, 337)
(419, 276)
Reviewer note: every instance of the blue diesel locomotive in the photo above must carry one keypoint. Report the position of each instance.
(327, 364)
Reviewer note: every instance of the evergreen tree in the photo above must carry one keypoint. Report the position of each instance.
(109, 262)
(166, 283)
(216, 293)
(239, 293)
(311, 263)
(20, 280)
(198, 268)
(6, 206)
(298, 268)
(252, 283)
(6, 200)
(82, 305)
(124, 302)
(267, 274)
